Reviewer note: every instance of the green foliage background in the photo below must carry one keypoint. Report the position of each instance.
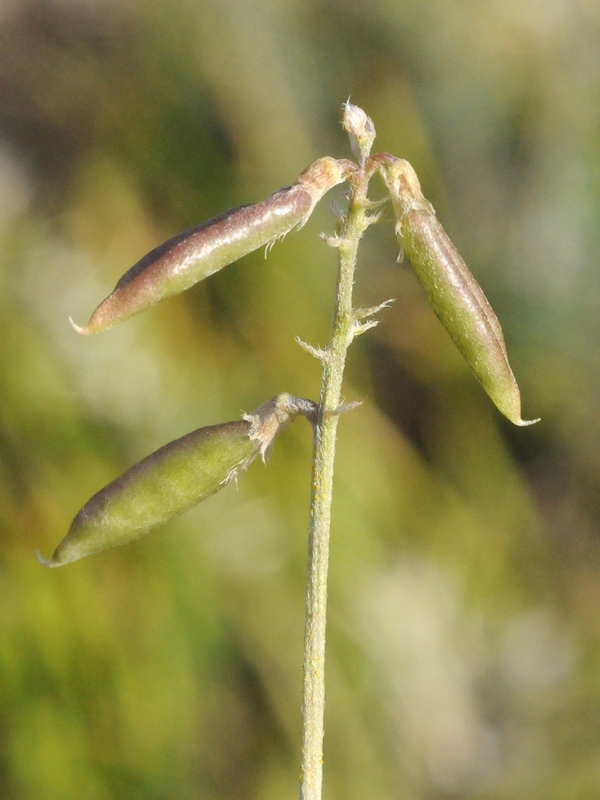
(464, 659)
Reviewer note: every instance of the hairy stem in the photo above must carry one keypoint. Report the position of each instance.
(334, 358)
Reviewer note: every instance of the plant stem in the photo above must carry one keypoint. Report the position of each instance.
(345, 328)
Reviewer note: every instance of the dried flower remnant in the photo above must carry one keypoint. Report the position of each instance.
(175, 478)
(360, 129)
(453, 292)
(191, 256)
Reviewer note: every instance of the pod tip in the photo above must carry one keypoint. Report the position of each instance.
(78, 328)
(522, 423)
(45, 562)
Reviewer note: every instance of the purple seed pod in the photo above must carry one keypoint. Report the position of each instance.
(453, 292)
(175, 478)
(191, 256)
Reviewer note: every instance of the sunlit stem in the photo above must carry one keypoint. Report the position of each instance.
(344, 330)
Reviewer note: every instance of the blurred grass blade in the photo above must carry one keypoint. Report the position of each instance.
(191, 256)
(175, 478)
(453, 292)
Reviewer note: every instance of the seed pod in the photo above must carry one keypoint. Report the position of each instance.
(175, 478)
(453, 292)
(191, 256)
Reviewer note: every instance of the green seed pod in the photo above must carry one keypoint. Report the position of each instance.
(453, 292)
(175, 478)
(191, 256)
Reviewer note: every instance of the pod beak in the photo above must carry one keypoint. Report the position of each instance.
(45, 562)
(81, 331)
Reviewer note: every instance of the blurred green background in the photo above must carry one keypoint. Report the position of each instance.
(464, 653)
